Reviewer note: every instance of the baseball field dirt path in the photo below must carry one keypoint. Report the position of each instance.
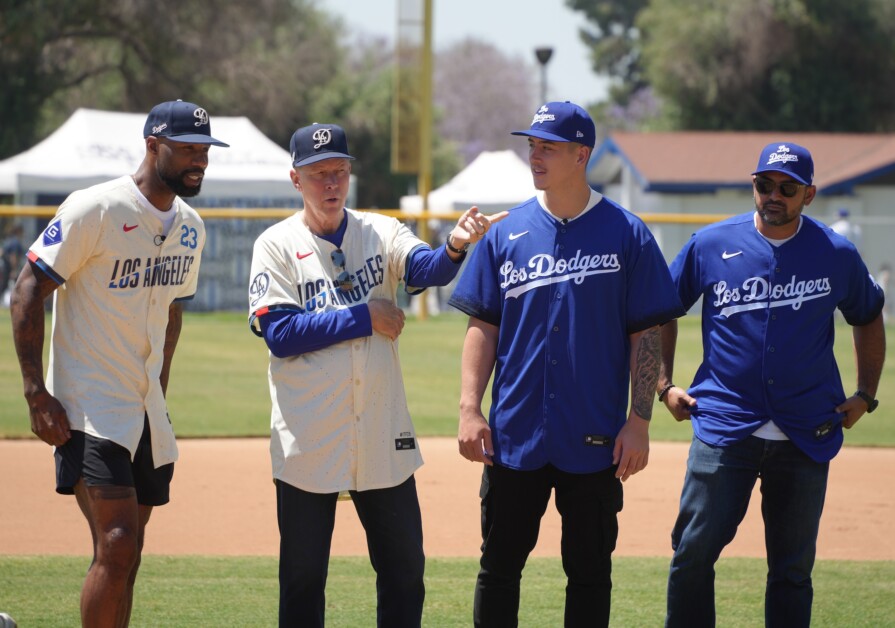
(223, 504)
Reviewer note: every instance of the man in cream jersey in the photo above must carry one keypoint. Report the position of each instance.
(119, 258)
(323, 297)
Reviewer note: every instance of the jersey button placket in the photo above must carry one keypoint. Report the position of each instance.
(356, 359)
(555, 344)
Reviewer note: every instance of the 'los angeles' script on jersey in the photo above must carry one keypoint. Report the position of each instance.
(758, 293)
(318, 292)
(543, 269)
(167, 270)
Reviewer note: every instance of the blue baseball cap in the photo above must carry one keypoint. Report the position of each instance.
(787, 158)
(317, 142)
(181, 122)
(562, 122)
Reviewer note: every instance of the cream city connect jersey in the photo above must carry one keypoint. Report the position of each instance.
(118, 276)
(339, 419)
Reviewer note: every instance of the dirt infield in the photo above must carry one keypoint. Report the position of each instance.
(223, 504)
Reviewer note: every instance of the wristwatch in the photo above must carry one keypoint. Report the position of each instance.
(871, 402)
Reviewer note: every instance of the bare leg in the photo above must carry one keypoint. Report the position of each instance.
(82, 503)
(145, 512)
(116, 524)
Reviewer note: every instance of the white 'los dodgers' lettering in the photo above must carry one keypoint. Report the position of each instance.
(758, 293)
(546, 270)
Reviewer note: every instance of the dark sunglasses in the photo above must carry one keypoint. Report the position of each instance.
(343, 279)
(765, 186)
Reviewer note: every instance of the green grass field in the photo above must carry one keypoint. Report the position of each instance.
(219, 380)
(219, 388)
(208, 591)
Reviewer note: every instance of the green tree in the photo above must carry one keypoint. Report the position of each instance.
(266, 61)
(279, 62)
(35, 63)
(614, 40)
(789, 65)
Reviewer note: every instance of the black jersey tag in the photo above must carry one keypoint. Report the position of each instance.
(597, 440)
(823, 430)
(404, 443)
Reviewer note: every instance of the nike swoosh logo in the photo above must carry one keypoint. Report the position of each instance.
(129, 227)
(513, 236)
(303, 255)
(726, 255)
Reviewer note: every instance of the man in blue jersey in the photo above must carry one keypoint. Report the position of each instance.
(564, 297)
(767, 401)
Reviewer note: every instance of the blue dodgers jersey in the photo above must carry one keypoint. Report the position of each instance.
(767, 329)
(566, 297)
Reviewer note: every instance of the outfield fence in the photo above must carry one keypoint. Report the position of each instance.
(226, 261)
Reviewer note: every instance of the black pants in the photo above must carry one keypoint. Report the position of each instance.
(393, 524)
(513, 503)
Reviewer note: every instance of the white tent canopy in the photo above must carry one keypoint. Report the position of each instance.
(493, 181)
(95, 146)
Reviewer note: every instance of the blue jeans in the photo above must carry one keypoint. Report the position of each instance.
(715, 496)
(513, 503)
(393, 524)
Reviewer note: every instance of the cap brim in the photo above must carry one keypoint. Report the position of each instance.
(320, 157)
(791, 174)
(543, 135)
(195, 139)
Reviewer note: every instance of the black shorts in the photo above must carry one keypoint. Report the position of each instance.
(102, 462)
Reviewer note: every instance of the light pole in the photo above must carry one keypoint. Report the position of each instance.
(543, 54)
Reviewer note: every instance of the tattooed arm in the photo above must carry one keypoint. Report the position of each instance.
(631, 451)
(48, 418)
(645, 355)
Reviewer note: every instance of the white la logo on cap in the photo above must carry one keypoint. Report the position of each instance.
(542, 116)
(201, 116)
(322, 137)
(781, 155)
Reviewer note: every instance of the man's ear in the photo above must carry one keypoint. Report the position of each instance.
(583, 154)
(810, 193)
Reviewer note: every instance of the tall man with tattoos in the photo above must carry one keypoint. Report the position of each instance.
(119, 259)
(565, 297)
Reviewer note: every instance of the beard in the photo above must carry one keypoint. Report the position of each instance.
(175, 181)
(781, 216)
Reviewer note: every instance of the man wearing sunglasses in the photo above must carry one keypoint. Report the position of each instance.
(767, 401)
(322, 296)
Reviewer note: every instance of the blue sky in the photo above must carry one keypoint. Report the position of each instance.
(516, 27)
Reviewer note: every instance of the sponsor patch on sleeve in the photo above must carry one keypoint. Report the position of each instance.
(53, 233)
